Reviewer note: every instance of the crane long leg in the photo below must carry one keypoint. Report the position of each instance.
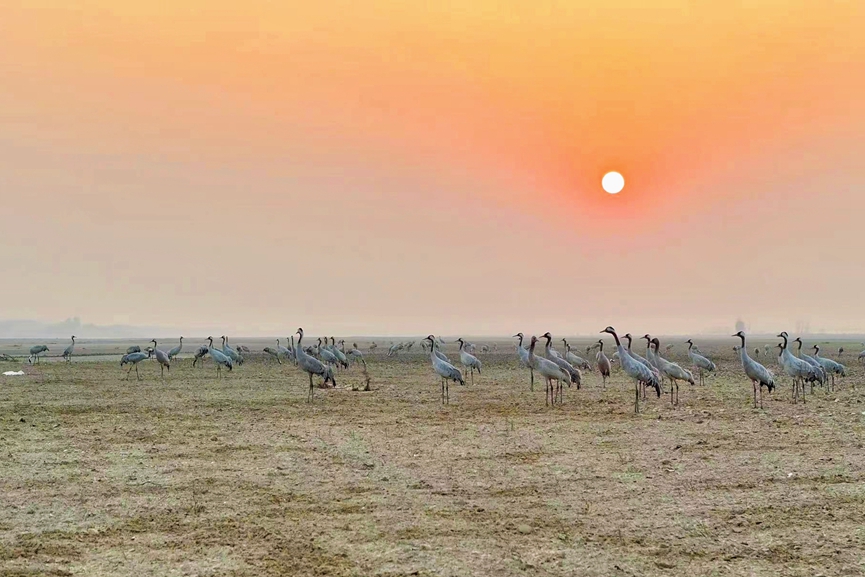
(532, 376)
(447, 392)
(637, 397)
(311, 395)
(136, 372)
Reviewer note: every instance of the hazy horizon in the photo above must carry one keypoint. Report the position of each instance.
(397, 169)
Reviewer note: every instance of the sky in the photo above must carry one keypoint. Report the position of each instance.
(396, 167)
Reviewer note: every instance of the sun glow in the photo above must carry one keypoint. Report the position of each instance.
(613, 182)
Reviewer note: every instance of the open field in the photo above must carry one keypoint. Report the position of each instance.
(240, 476)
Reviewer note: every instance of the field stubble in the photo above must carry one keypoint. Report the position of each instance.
(240, 476)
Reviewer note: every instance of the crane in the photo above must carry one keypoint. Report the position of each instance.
(273, 353)
(355, 354)
(576, 360)
(326, 354)
(176, 350)
(230, 352)
(831, 367)
(702, 363)
(635, 369)
(134, 359)
(575, 376)
(67, 353)
(523, 354)
(311, 366)
(604, 366)
(672, 371)
(643, 361)
(220, 358)
(281, 351)
(35, 351)
(200, 353)
(162, 359)
(795, 368)
(551, 372)
(468, 360)
(759, 375)
(340, 356)
(445, 370)
(820, 375)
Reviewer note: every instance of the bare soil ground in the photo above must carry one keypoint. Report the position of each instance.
(240, 476)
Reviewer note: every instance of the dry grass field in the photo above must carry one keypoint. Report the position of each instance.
(241, 477)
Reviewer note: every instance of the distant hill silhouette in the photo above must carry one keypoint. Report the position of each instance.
(29, 329)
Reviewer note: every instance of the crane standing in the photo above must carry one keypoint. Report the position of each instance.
(468, 360)
(759, 375)
(134, 359)
(176, 350)
(604, 366)
(702, 363)
(551, 372)
(162, 358)
(220, 358)
(311, 366)
(67, 353)
(445, 370)
(523, 354)
(634, 369)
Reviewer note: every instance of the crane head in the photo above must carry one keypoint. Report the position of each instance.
(518, 335)
(610, 330)
(647, 337)
(547, 336)
(740, 334)
(300, 331)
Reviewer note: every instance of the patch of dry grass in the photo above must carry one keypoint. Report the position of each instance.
(240, 476)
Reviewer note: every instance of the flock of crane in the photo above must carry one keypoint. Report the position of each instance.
(323, 360)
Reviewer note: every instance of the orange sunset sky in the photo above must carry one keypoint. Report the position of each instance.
(411, 167)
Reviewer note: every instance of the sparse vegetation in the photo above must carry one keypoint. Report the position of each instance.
(241, 476)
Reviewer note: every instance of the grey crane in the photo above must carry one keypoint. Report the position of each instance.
(326, 354)
(643, 361)
(523, 354)
(604, 365)
(162, 359)
(701, 362)
(635, 369)
(67, 353)
(273, 353)
(576, 360)
(282, 351)
(229, 352)
(831, 367)
(200, 353)
(220, 358)
(820, 375)
(134, 359)
(445, 370)
(340, 356)
(372, 346)
(549, 353)
(468, 360)
(550, 371)
(650, 354)
(176, 350)
(354, 353)
(760, 376)
(311, 366)
(672, 371)
(797, 369)
(35, 351)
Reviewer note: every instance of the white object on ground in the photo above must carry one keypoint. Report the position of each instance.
(13, 374)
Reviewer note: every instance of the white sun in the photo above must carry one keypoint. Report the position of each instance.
(613, 182)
